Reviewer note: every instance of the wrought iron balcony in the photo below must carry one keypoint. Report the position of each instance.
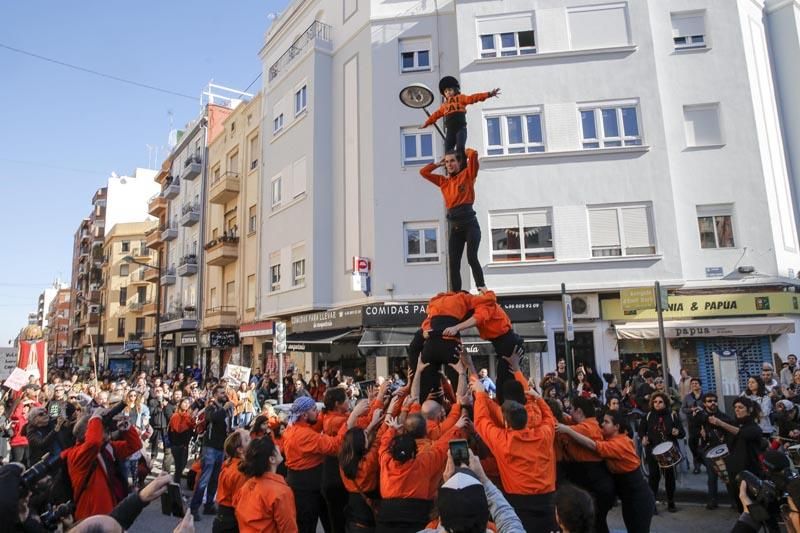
(316, 33)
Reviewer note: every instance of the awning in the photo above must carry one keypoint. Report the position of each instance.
(392, 342)
(712, 327)
(320, 341)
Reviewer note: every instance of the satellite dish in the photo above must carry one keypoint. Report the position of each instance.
(416, 96)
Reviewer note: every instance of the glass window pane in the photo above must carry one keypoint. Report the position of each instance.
(410, 146)
(430, 241)
(426, 145)
(507, 40)
(680, 40)
(412, 238)
(408, 59)
(587, 122)
(611, 144)
(505, 239)
(493, 131)
(629, 122)
(494, 151)
(706, 227)
(487, 42)
(534, 123)
(423, 58)
(538, 237)
(526, 38)
(610, 126)
(697, 39)
(724, 231)
(514, 124)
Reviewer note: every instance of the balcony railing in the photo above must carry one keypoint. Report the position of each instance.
(190, 214)
(179, 314)
(192, 167)
(316, 32)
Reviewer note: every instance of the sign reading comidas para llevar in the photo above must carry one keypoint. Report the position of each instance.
(710, 305)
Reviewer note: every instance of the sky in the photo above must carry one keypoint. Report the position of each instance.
(64, 131)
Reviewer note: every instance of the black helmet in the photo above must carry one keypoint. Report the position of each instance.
(448, 82)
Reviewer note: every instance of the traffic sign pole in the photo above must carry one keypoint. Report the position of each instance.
(662, 338)
(566, 311)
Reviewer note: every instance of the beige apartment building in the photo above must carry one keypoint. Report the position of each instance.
(129, 296)
(230, 285)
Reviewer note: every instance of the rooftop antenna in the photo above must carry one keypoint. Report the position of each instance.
(149, 155)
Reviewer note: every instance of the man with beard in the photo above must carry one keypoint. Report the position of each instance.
(710, 436)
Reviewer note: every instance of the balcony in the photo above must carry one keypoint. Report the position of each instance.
(149, 309)
(137, 277)
(173, 187)
(169, 233)
(224, 189)
(192, 168)
(148, 341)
(318, 34)
(187, 266)
(137, 307)
(141, 252)
(221, 317)
(178, 319)
(190, 214)
(157, 205)
(168, 276)
(222, 251)
(153, 238)
(151, 275)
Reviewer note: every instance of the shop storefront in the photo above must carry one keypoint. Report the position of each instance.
(256, 344)
(186, 350)
(722, 338)
(222, 348)
(389, 328)
(325, 339)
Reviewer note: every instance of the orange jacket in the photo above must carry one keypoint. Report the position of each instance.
(531, 406)
(266, 505)
(574, 452)
(490, 319)
(230, 481)
(304, 447)
(458, 189)
(333, 422)
(436, 429)
(454, 304)
(619, 454)
(456, 104)
(414, 478)
(525, 457)
(368, 470)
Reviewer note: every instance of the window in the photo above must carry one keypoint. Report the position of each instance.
(251, 291)
(233, 163)
(123, 296)
(688, 30)
(300, 100)
(621, 231)
(126, 246)
(277, 123)
(514, 134)
(140, 326)
(251, 219)
(276, 191)
(415, 55)
(230, 294)
(141, 295)
(715, 226)
(417, 147)
(298, 272)
(422, 242)
(120, 327)
(505, 44)
(522, 236)
(701, 123)
(255, 150)
(123, 269)
(233, 127)
(608, 127)
(598, 26)
(275, 277)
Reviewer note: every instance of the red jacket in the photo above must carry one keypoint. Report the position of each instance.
(96, 497)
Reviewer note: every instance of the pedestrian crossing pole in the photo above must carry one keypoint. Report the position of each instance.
(569, 335)
(661, 301)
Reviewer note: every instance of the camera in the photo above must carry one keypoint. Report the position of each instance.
(761, 491)
(47, 466)
(701, 416)
(51, 518)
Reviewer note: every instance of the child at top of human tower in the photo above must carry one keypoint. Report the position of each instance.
(453, 109)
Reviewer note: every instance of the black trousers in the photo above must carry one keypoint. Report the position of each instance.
(503, 347)
(19, 454)
(181, 456)
(359, 515)
(456, 139)
(463, 233)
(596, 480)
(225, 521)
(537, 512)
(655, 478)
(637, 502)
(694, 446)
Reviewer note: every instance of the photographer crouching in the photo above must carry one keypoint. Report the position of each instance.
(759, 496)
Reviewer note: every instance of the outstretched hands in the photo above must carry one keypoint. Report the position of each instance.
(494, 92)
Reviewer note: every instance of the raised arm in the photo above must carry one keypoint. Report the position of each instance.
(583, 440)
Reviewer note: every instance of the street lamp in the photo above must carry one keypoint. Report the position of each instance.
(157, 267)
(419, 96)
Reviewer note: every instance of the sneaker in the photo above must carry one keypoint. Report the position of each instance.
(712, 505)
(671, 507)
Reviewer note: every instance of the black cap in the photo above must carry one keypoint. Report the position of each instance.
(448, 82)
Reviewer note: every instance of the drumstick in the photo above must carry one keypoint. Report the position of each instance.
(785, 438)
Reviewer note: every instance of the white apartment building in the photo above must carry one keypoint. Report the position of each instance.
(633, 142)
(127, 197)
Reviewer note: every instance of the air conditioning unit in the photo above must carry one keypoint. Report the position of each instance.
(585, 306)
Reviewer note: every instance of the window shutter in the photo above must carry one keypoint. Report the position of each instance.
(636, 227)
(603, 226)
(414, 45)
(688, 25)
(505, 221)
(531, 220)
(299, 177)
(598, 26)
(514, 23)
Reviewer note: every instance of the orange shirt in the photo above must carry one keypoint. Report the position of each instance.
(266, 505)
(619, 454)
(454, 304)
(412, 479)
(333, 422)
(574, 452)
(305, 448)
(458, 189)
(181, 422)
(436, 429)
(490, 318)
(526, 457)
(230, 481)
(456, 104)
(367, 476)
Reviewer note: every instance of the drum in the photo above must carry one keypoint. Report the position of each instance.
(715, 459)
(794, 455)
(667, 455)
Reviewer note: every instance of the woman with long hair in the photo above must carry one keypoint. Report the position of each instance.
(180, 429)
(247, 404)
(231, 480)
(334, 416)
(316, 387)
(265, 503)
(358, 468)
(620, 455)
(757, 392)
(661, 425)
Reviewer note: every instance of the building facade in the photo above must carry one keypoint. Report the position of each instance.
(58, 321)
(633, 142)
